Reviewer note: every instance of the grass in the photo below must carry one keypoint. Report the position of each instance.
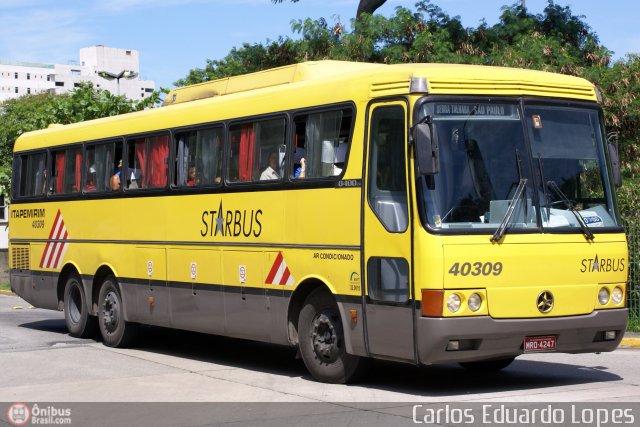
(634, 324)
(5, 287)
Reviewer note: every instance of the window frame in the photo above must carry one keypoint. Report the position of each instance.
(87, 146)
(176, 132)
(51, 159)
(367, 162)
(228, 149)
(17, 175)
(289, 165)
(125, 160)
(123, 142)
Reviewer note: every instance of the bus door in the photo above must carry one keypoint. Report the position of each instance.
(387, 235)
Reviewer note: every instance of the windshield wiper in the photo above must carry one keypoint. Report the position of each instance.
(497, 236)
(583, 225)
(544, 188)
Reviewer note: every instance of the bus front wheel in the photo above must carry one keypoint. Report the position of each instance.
(322, 340)
(80, 323)
(115, 331)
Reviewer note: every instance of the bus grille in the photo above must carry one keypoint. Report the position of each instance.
(20, 257)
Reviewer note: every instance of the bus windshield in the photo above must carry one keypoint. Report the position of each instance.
(524, 167)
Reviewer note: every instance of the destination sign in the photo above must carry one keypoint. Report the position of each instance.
(476, 110)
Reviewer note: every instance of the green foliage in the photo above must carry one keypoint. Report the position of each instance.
(555, 40)
(18, 116)
(86, 102)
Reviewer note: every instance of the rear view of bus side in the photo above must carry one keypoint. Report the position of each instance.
(422, 213)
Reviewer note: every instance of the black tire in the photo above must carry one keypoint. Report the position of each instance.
(80, 323)
(115, 331)
(488, 365)
(322, 341)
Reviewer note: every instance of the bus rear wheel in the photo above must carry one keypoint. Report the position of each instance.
(80, 323)
(115, 331)
(322, 340)
(488, 365)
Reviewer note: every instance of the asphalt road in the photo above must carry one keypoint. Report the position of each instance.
(40, 362)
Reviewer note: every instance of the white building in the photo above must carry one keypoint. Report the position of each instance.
(116, 70)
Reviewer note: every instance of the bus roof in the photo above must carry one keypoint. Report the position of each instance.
(467, 79)
(326, 81)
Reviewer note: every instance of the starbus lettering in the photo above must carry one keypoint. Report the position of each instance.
(602, 265)
(231, 223)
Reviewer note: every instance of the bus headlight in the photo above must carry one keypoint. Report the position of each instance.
(603, 296)
(617, 295)
(453, 303)
(474, 302)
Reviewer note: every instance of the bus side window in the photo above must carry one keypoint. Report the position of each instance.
(99, 167)
(254, 146)
(66, 171)
(33, 175)
(148, 162)
(322, 140)
(199, 157)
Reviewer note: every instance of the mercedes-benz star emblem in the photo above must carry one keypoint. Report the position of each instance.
(545, 302)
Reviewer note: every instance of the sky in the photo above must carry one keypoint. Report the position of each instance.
(174, 36)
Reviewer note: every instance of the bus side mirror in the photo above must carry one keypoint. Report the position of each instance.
(612, 145)
(427, 152)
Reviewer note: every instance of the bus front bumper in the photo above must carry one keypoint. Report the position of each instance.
(485, 338)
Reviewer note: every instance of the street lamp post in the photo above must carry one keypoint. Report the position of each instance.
(124, 74)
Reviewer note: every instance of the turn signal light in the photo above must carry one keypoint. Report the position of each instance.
(432, 302)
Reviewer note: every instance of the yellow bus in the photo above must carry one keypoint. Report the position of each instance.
(422, 213)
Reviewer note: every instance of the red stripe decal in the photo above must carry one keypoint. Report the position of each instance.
(274, 269)
(61, 247)
(285, 276)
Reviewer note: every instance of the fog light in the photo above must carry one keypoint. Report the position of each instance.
(453, 303)
(617, 295)
(474, 302)
(603, 296)
(609, 335)
(453, 345)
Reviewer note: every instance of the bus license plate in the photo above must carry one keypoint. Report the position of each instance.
(535, 344)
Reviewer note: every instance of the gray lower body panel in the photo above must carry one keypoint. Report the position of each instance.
(488, 338)
(36, 288)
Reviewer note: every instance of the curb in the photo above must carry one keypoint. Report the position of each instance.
(6, 293)
(630, 343)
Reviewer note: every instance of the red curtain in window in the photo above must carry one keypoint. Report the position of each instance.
(59, 172)
(158, 161)
(142, 162)
(247, 151)
(78, 169)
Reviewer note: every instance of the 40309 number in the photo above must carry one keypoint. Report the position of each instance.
(476, 269)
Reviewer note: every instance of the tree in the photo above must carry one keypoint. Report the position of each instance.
(364, 6)
(554, 40)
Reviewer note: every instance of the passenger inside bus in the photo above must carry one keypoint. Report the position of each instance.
(299, 163)
(271, 172)
(91, 179)
(114, 182)
(191, 175)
